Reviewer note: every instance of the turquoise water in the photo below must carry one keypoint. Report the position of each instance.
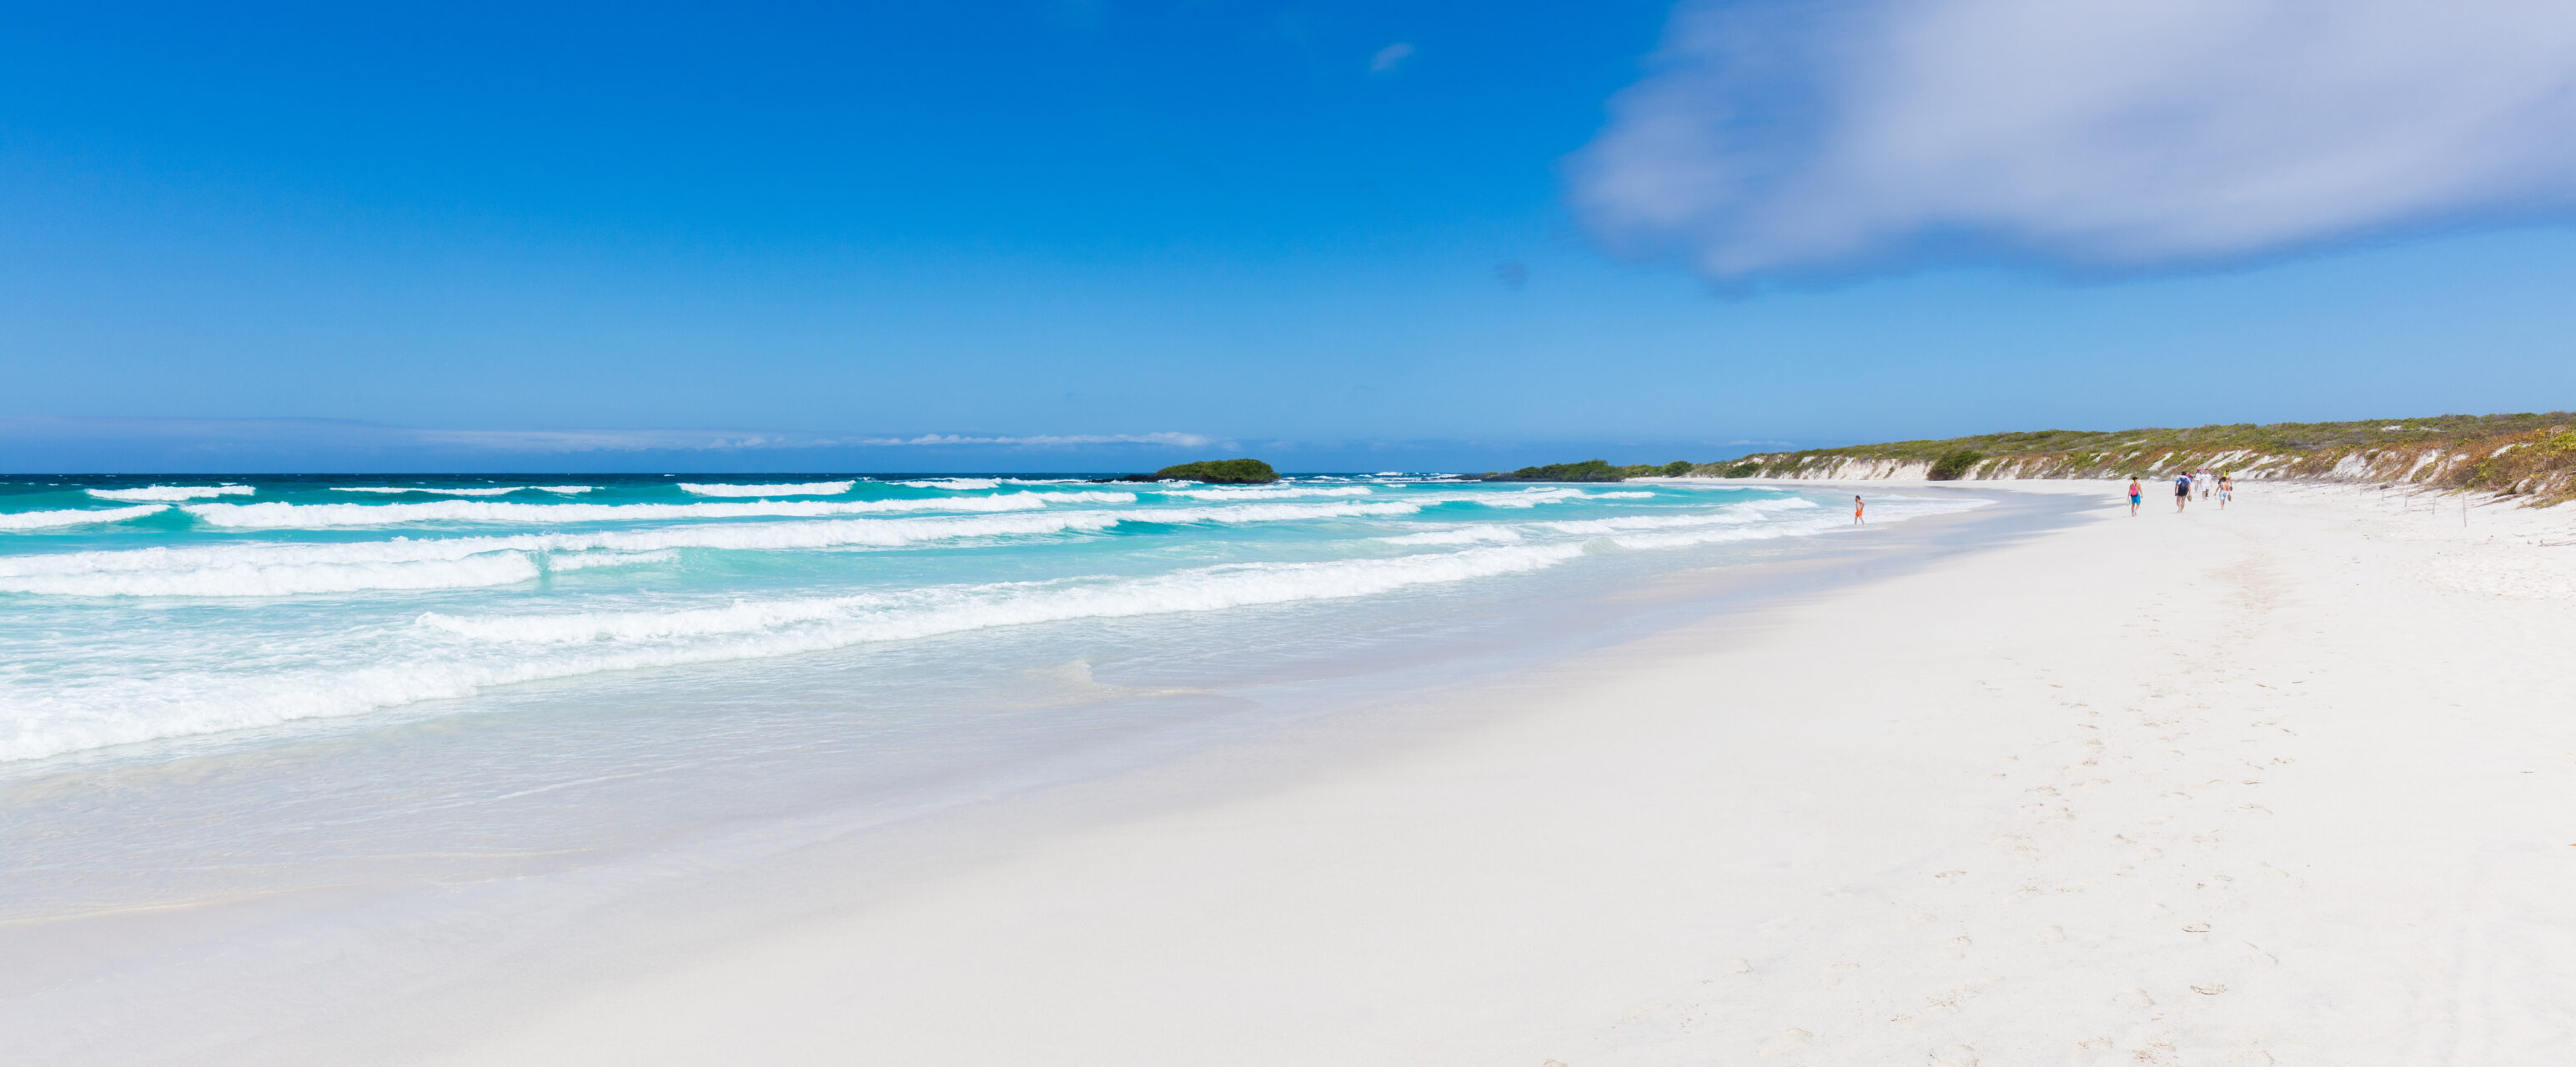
(285, 755)
(138, 611)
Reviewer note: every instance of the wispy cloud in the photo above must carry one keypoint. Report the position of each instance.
(1798, 138)
(1390, 57)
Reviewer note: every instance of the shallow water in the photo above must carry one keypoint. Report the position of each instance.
(528, 697)
(237, 604)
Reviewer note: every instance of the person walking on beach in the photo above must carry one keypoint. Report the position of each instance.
(2182, 492)
(2226, 491)
(1857, 508)
(2135, 492)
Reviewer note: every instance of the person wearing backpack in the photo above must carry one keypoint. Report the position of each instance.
(2182, 492)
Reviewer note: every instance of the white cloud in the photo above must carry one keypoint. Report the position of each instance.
(1388, 57)
(2092, 134)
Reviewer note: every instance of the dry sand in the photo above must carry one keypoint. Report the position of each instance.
(2291, 783)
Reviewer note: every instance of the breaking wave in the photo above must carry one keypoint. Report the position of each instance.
(172, 492)
(1283, 493)
(287, 569)
(42, 520)
(479, 652)
(279, 516)
(923, 613)
(792, 489)
(496, 490)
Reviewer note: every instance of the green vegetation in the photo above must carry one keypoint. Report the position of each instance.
(1953, 464)
(1594, 470)
(1218, 471)
(2527, 454)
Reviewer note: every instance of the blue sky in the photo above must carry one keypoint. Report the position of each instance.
(1105, 235)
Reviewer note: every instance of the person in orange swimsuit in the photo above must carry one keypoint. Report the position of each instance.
(1857, 508)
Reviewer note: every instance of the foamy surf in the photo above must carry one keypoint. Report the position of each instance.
(794, 489)
(289, 568)
(283, 516)
(173, 492)
(44, 520)
(490, 490)
(445, 589)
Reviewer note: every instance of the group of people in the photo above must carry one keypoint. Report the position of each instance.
(2202, 481)
(2207, 484)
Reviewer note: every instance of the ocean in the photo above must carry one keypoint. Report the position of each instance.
(477, 696)
(140, 612)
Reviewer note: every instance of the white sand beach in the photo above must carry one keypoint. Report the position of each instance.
(2289, 783)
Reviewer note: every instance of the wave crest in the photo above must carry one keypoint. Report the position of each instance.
(789, 489)
(44, 520)
(172, 492)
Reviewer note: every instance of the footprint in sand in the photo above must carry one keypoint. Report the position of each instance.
(1954, 1056)
(2052, 934)
(2136, 999)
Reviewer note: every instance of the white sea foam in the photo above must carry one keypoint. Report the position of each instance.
(922, 613)
(1894, 509)
(291, 568)
(1623, 494)
(488, 490)
(1526, 498)
(173, 492)
(282, 662)
(285, 579)
(483, 651)
(1737, 513)
(281, 516)
(42, 520)
(1281, 493)
(574, 561)
(791, 489)
(960, 483)
(1456, 535)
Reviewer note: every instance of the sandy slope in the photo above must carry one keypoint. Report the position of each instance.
(2293, 783)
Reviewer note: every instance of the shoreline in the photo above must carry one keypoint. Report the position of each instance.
(506, 919)
(2280, 791)
(1714, 833)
